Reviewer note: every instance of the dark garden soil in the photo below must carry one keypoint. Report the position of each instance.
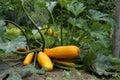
(56, 74)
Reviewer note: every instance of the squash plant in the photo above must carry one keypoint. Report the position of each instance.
(88, 29)
(90, 32)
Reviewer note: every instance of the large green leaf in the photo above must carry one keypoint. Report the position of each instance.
(97, 63)
(80, 23)
(29, 70)
(97, 15)
(14, 76)
(75, 7)
(103, 61)
(100, 36)
(103, 65)
(2, 27)
(22, 72)
(12, 45)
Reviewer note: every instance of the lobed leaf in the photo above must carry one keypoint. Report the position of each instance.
(75, 7)
(12, 45)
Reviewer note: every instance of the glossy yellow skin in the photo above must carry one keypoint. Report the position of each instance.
(63, 52)
(28, 58)
(44, 61)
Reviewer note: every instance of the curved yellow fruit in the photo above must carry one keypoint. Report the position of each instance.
(63, 52)
(65, 63)
(44, 61)
(28, 58)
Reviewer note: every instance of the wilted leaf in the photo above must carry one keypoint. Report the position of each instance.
(12, 45)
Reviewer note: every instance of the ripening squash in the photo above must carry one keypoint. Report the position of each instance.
(55, 34)
(65, 63)
(49, 31)
(28, 58)
(44, 61)
(63, 52)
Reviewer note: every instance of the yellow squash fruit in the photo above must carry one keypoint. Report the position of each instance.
(44, 61)
(28, 58)
(63, 52)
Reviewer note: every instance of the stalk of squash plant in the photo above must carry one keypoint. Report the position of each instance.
(27, 14)
(21, 29)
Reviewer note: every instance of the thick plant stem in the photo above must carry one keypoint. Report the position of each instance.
(55, 27)
(35, 58)
(43, 41)
(19, 27)
(61, 31)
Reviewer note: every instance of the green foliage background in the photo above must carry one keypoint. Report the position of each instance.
(87, 24)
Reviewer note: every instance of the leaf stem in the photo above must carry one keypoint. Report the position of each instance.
(53, 20)
(19, 27)
(43, 40)
(35, 59)
(61, 30)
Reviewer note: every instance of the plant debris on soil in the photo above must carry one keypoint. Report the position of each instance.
(56, 74)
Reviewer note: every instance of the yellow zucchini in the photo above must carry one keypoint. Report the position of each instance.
(44, 61)
(28, 58)
(63, 52)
